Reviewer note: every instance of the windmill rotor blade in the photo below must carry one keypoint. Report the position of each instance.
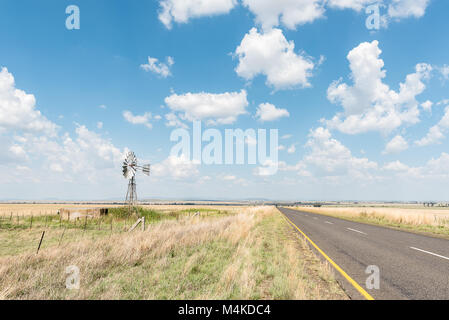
(128, 173)
(130, 158)
(132, 174)
(142, 167)
(129, 165)
(146, 169)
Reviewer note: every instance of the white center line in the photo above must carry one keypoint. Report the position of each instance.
(315, 218)
(328, 222)
(357, 231)
(434, 254)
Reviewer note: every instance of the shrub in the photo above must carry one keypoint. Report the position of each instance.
(124, 213)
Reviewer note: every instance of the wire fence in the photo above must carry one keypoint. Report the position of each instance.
(21, 233)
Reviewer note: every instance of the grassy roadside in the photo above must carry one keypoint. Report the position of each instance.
(250, 255)
(288, 266)
(428, 225)
(21, 234)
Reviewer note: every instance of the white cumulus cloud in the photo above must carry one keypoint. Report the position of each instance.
(437, 132)
(181, 11)
(407, 8)
(18, 152)
(293, 13)
(292, 149)
(369, 104)
(176, 167)
(269, 112)
(138, 119)
(427, 105)
(435, 169)
(221, 108)
(396, 166)
(445, 71)
(174, 121)
(356, 5)
(160, 68)
(289, 13)
(329, 156)
(270, 54)
(86, 156)
(396, 145)
(18, 109)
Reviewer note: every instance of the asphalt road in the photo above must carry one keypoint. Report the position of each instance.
(411, 266)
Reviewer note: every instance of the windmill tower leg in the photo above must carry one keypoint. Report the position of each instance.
(134, 197)
(127, 193)
(131, 195)
(134, 190)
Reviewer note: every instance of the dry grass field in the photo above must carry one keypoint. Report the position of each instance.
(413, 218)
(220, 253)
(41, 209)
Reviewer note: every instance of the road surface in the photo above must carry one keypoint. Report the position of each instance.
(411, 266)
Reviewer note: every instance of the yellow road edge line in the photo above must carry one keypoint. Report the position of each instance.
(362, 291)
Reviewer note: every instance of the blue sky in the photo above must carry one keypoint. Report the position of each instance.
(353, 140)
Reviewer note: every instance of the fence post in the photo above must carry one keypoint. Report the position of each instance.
(85, 224)
(31, 222)
(62, 236)
(140, 220)
(40, 242)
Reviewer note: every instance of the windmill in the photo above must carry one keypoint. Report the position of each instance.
(130, 168)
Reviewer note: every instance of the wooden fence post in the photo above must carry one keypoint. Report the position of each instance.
(135, 224)
(40, 242)
(62, 236)
(85, 224)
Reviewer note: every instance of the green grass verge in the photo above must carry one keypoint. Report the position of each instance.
(268, 262)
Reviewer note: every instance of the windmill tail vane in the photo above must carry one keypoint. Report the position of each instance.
(130, 168)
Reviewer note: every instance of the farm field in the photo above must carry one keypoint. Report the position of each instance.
(39, 209)
(413, 218)
(185, 252)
